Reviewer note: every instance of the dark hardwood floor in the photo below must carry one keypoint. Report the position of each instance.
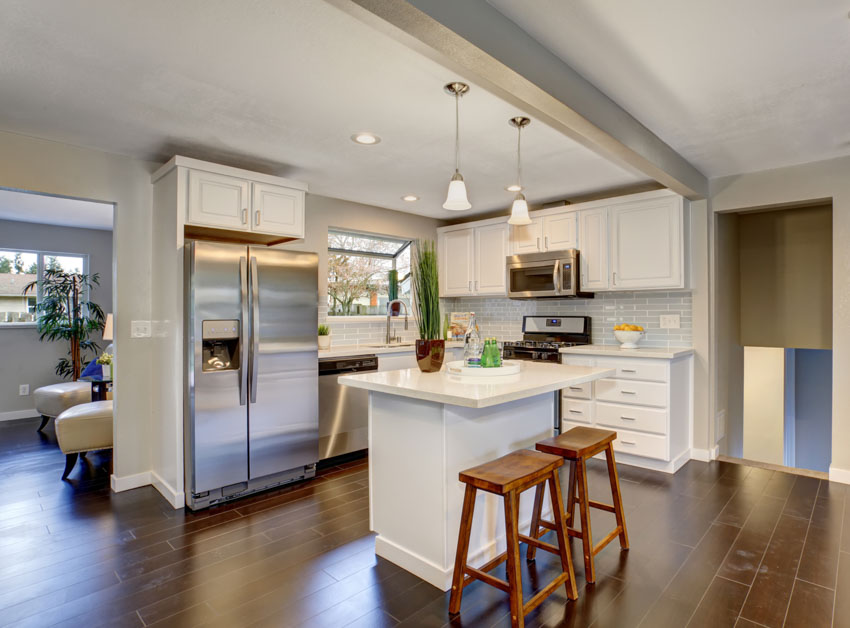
(714, 545)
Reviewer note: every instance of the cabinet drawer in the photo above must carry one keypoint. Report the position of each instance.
(579, 391)
(655, 371)
(627, 391)
(573, 410)
(571, 360)
(631, 418)
(639, 444)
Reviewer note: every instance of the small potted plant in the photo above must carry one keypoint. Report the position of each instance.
(430, 347)
(105, 360)
(324, 337)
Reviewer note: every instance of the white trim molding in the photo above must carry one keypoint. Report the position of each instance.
(176, 498)
(839, 475)
(705, 455)
(19, 414)
(128, 482)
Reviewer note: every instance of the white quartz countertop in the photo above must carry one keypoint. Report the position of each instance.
(535, 378)
(365, 349)
(641, 352)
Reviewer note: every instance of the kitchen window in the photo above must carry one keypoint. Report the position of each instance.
(365, 272)
(18, 269)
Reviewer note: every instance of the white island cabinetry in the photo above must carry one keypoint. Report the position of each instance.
(648, 401)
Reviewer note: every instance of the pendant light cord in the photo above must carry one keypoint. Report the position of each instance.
(457, 132)
(518, 158)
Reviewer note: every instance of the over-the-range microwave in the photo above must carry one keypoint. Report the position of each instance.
(554, 274)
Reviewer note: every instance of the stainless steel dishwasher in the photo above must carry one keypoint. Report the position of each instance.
(343, 411)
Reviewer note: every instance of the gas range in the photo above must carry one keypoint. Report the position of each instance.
(544, 336)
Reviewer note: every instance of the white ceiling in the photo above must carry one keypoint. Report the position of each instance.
(732, 86)
(277, 86)
(54, 210)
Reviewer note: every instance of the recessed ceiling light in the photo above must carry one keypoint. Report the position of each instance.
(410, 198)
(514, 188)
(365, 138)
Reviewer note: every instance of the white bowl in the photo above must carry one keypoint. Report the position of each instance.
(628, 339)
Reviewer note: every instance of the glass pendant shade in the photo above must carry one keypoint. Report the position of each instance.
(519, 211)
(456, 199)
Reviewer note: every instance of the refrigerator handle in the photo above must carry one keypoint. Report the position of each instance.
(255, 328)
(243, 367)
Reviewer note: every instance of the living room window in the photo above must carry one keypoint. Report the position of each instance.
(365, 272)
(18, 269)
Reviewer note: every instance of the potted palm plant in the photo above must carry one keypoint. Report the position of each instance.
(65, 315)
(430, 346)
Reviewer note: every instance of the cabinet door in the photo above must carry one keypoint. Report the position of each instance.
(278, 210)
(457, 261)
(218, 200)
(491, 250)
(559, 232)
(527, 238)
(593, 240)
(647, 244)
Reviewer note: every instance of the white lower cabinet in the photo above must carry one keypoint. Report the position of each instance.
(647, 402)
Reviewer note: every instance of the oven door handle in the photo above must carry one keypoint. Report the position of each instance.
(556, 277)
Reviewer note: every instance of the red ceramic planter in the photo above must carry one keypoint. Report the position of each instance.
(429, 355)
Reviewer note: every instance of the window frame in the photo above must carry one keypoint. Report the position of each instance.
(404, 244)
(40, 266)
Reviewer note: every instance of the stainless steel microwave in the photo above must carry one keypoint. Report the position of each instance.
(554, 274)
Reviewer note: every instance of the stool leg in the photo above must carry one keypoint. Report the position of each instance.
(514, 577)
(571, 495)
(531, 552)
(584, 513)
(462, 548)
(563, 539)
(618, 498)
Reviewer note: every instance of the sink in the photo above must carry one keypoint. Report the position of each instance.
(384, 345)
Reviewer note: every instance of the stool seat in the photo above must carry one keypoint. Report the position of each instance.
(511, 472)
(579, 442)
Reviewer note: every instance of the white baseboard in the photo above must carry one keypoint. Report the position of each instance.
(655, 465)
(176, 498)
(839, 475)
(19, 414)
(129, 482)
(705, 455)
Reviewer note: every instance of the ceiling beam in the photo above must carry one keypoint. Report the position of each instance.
(474, 39)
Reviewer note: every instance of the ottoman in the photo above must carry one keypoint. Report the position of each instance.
(84, 427)
(53, 400)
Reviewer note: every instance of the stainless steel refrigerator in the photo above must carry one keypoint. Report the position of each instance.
(251, 377)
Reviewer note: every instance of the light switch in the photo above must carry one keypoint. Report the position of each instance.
(669, 321)
(140, 329)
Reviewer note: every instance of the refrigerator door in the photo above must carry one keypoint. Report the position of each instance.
(283, 422)
(216, 422)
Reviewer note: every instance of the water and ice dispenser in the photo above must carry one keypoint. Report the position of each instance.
(220, 345)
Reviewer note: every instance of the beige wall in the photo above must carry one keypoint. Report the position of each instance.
(809, 184)
(764, 404)
(786, 278)
(38, 165)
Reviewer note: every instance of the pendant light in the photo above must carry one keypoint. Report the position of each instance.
(519, 209)
(456, 198)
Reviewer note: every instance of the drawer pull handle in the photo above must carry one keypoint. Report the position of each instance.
(628, 442)
(629, 370)
(628, 392)
(628, 418)
(576, 411)
(576, 388)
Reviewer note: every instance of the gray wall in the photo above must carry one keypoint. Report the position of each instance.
(813, 409)
(26, 360)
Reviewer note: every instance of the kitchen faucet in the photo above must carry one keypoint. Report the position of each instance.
(389, 318)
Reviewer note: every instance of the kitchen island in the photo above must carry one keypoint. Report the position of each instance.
(424, 428)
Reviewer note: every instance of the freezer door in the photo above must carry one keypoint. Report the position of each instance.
(216, 422)
(283, 415)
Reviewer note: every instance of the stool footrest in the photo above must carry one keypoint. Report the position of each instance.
(600, 506)
(493, 581)
(610, 537)
(552, 549)
(541, 595)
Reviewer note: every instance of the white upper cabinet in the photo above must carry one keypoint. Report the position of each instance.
(218, 200)
(559, 231)
(527, 238)
(456, 258)
(647, 244)
(593, 252)
(491, 251)
(277, 210)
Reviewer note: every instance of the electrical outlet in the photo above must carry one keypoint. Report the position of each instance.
(140, 329)
(669, 321)
(24, 390)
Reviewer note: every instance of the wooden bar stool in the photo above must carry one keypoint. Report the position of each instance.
(578, 445)
(509, 476)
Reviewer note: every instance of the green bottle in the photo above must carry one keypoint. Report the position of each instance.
(487, 355)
